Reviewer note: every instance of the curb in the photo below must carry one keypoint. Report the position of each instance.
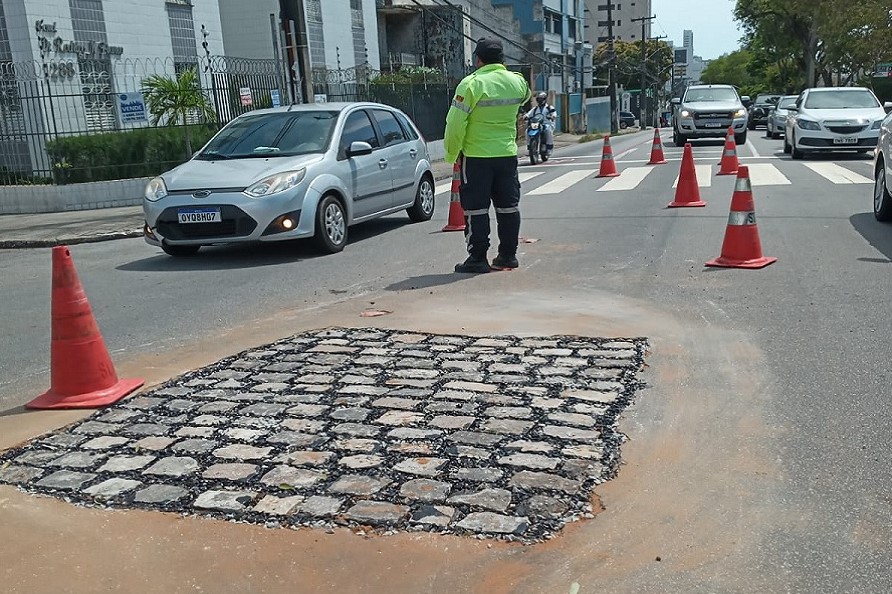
(42, 243)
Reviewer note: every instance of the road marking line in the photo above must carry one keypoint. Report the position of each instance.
(443, 188)
(837, 174)
(629, 180)
(766, 174)
(752, 148)
(528, 175)
(558, 185)
(704, 176)
(625, 153)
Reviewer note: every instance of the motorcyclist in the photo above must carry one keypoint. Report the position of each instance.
(549, 116)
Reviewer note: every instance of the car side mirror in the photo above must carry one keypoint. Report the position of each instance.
(359, 148)
(676, 101)
(887, 106)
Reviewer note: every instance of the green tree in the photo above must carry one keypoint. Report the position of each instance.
(658, 63)
(178, 101)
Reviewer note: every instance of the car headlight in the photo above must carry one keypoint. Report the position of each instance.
(739, 113)
(156, 190)
(275, 183)
(877, 125)
(808, 125)
(685, 113)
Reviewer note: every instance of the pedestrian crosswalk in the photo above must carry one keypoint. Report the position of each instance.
(551, 180)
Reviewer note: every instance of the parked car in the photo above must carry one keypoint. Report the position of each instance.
(882, 168)
(707, 111)
(833, 119)
(626, 119)
(761, 107)
(778, 116)
(292, 172)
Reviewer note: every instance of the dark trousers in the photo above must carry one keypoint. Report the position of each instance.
(484, 181)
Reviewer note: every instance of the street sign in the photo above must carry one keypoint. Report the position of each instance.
(883, 70)
(246, 97)
(132, 107)
(275, 98)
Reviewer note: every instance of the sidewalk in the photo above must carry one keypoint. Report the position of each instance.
(87, 226)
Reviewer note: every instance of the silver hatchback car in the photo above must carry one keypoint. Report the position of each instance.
(292, 172)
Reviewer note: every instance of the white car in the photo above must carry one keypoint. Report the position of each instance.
(778, 116)
(833, 119)
(882, 168)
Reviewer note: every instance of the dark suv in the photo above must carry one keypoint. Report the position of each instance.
(761, 108)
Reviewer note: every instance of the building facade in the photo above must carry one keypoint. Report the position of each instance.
(71, 67)
(624, 28)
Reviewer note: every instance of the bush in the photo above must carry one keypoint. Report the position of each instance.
(143, 152)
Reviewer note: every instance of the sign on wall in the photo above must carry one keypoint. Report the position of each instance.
(275, 98)
(246, 97)
(132, 107)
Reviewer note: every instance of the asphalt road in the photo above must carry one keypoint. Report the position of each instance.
(822, 523)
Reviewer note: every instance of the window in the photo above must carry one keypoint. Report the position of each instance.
(391, 132)
(409, 130)
(358, 128)
(272, 134)
(182, 35)
(553, 22)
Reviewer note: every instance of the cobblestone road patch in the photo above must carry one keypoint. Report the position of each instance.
(501, 437)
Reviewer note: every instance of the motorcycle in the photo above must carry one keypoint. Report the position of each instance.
(535, 144)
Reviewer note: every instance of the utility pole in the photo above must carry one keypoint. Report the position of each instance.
(656, 119)
(642, 96)
(611, 70)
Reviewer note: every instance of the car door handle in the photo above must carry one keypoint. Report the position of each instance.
(413, 152)
(382, 163)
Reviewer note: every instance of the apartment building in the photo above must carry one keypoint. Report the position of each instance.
(624, 28)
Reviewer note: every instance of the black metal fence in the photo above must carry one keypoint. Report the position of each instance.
(88, 120)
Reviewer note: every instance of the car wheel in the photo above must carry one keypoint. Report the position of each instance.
(751, 125)
(740, 138)
(678, 139)
(331, 225)
(795, 152)
(423, 209)
(787, 148)
(180, 251)
(882, 201)
(775, 134)
(623, 125)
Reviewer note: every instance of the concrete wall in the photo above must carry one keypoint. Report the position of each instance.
(41, 199)
(246, 29)
(598, 112)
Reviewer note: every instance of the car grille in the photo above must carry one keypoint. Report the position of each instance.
(846, 129)
(712, 115)
(235, 223)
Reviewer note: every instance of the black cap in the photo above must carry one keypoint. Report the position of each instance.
(490, 50)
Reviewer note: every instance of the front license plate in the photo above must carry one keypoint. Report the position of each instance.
(712, 125)
(199, 215)
(845, 140)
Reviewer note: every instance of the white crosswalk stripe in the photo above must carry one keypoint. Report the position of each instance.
(628, 179)
(704, 176)
(561, 183)
(837, 174)
(523, 176)
(766, 174)
(443, 188)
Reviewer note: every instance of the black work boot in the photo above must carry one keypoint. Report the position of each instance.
(501, 261)
(473, 265)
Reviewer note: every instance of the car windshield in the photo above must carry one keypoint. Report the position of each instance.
(696, 95)
(786, 102)
(279, 134)
(841, 99)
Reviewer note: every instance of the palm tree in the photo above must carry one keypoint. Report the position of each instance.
(174, 101)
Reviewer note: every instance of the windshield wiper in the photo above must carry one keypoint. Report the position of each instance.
(213, 156)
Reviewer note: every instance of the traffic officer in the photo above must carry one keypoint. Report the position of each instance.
(481, 134)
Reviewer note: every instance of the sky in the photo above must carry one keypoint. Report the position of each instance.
(712, 21)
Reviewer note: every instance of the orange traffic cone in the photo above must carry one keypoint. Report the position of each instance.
(687, 193)
(82, 373)
(456, 212)
(608, 166)
(656, 151)
(742, 248)
(729, 155)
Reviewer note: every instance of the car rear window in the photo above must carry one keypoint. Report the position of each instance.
(279, 134)
(840, 99)
(786, 102)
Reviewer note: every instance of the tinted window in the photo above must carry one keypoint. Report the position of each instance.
(786, 102)
(840, 99)
(408, 128)
(278, 134)
(391, 131)
(358, 128)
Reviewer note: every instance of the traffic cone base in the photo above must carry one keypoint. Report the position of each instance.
(742, 247)
(608, 165)
(456, 220)
(729, 163)
(687, 193)
(656, 152)
(82, 374)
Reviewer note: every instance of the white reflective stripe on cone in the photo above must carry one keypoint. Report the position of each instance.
(737, 219)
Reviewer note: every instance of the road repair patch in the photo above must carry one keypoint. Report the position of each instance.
(380, 430)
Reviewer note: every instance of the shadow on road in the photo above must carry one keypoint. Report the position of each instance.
(426, 281)
(233, 256)
(878, 235)
(18, 410)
